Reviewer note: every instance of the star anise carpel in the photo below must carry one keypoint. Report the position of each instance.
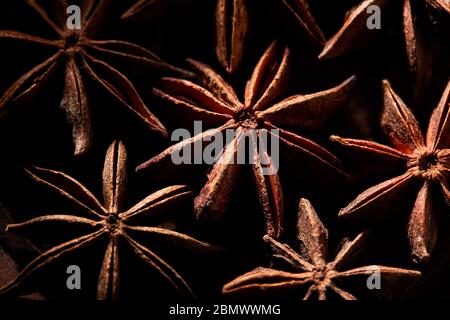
(425, 162)
(355, 27)
(214, 102)
(314, 276)
(109, 221)
(82, 57)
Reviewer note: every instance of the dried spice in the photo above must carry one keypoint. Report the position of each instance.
(355, 29)
(314, 276)
(109, 221)
(215, 102)
(145, 252)
(232, 24)
(425, 162)
(9, 269)
(232, 20)
(77, 50)
(138, 7)
(419, 45)
(300, 10)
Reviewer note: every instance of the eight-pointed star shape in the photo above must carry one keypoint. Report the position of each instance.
(425, 163)
(215, 103)
(76, 50)
(315, 277)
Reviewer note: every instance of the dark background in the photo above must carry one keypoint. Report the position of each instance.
(37, 133)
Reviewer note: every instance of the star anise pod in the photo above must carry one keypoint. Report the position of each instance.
(418, 44)
(232, 25)
(425, 165)
(314, 276)
(78, 51)
(215, 103)
(111, 223)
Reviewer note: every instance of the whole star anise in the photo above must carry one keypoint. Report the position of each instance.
(109, 222)
(314, 276)
(77, 50)
(232, 25)
(216, 103)
(425, 161)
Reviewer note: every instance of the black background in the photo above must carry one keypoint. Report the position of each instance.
(38, 134)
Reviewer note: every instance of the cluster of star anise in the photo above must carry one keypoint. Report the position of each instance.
(265, 71)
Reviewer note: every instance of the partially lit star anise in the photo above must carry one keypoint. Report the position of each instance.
(426, 163)
(300, 11)
(418, 45)
(232, 24)
(355, 27)
(109, 221)
(314, 276)
(215, 103)
(76, 50)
